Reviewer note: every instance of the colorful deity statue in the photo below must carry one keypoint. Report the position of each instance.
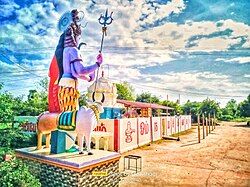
(67, 67)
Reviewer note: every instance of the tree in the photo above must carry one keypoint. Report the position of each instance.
(244, 107)
(191, 107)
(175, 105)
(125, 91)
(6, 108)
(43, 85)
(147, 97)
(35, 104)
(230, 111)
(210, 106)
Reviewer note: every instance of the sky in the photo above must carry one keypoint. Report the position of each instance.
(195, 49)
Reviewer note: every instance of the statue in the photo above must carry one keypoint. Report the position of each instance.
(65, 70)
(66, 67)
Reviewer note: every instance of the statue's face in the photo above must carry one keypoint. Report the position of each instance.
(78, 38)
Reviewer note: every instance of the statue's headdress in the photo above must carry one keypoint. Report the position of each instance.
(70, 24)
(68, 18)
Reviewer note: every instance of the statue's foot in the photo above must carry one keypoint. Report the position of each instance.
(80, 153)
(90, 153)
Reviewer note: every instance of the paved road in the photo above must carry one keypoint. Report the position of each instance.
(222, 159)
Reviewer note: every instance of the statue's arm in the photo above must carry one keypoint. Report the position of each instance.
(89, 77)
(84, 70)
(77, 66)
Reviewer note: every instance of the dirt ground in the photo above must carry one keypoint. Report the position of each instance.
(221, 159)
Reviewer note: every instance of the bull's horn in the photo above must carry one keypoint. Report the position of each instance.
(93, 96)
(103, 98)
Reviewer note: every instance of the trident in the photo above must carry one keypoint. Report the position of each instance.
(104, 21)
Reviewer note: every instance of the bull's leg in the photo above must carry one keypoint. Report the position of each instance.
(80, 143)
(88, 142)
(48, 137)
(39, 140)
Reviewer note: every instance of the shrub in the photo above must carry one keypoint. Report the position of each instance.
(15, 138)
(15, 173)
(4, 151)
(226, 118)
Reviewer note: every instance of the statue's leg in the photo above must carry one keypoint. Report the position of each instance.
(88, 142)
(48, 137)
(39, 140)
(68, 98)
(80, 143)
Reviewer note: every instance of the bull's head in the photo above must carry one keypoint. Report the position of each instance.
(97, 105)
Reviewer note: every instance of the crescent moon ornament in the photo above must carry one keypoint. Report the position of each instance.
(81, 15)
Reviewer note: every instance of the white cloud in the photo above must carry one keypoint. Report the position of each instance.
(155, 11)
(247, 75)
(215, 44)
(164, 35)
(124, 30)
(240, 60)
(188, 84)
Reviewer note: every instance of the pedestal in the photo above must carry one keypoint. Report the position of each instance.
(72, 169)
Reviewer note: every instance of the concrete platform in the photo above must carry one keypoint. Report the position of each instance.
(74, 161)
(72, 169)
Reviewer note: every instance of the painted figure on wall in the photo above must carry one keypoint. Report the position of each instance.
(128, 133)
(67, 66)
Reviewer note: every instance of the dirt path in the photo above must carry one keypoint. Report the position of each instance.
(222, 159)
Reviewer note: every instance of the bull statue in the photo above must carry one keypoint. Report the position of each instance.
(82, 122)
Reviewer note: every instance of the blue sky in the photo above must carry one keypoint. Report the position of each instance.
(195, 48)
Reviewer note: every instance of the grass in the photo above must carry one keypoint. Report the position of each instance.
(241, 119)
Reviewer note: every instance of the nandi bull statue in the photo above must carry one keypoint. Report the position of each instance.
(82, 122)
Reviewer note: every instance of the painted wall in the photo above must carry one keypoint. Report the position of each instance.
(144, 131)
(129, 133)
(107, 125)
(156, 128)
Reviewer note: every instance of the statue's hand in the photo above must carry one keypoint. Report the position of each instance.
(99, 59)
(92, 76)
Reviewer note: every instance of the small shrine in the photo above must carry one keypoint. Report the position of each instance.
(104, 88)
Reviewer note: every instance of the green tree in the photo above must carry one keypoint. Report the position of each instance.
(191, 107)
(210, 106)
(125, 91)
(147, 97)
(43, 85)
(230, 111)
(35, 104)
(6, 106)
(175, 105)
(37, 100)
(244, 107)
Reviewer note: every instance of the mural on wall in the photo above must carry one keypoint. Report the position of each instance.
(156, 130)
(128, 133)
(144, 128)
(101, 128)
(155, 126)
